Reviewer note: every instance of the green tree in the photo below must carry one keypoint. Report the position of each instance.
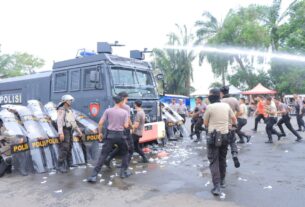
(18, 64)
(177, 64)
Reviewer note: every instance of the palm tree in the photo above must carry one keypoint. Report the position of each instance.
(207, 30)
(177, 63)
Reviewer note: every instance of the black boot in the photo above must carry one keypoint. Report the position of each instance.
(248, 138)
(298, 139)
(236, 162)
(93, 177)
(216, 190)
(125, 173)
(107, 162)
(62, 167)
(279, 136)
(145, 160)
(241, 141)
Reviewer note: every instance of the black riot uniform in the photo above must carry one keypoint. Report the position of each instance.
(217, 118)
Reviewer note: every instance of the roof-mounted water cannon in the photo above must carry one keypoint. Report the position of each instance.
(139, 55)
(105, 47)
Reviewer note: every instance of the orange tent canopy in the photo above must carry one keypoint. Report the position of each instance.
(259, 89)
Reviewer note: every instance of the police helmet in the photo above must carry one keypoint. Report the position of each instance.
(67, 97)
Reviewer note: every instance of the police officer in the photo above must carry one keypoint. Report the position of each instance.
(298, 103)
(242, 121)
(66, 124)
(138, 128)
(173, 105)
(283, 110)
(128, 137)
(271, 111)
(182, 110)
(5, 163)
(199, 117)
(217, 118)
(117, 119)
(234, 104)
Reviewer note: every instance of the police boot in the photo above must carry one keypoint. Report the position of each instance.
(62, 167)
(236, 161)
(145, 160)
(124, 173)
(279, 136)
(269, 141)
(241, 141)
(93, 177)
(248, 138)
(107, 162)
(216, 190)
(298, 139)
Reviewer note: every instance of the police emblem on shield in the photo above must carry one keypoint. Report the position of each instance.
(94, 109)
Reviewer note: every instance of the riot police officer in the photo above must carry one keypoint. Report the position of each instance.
(271, 111)
(66, 124)
(199, 118)
(234, 104)
(283, 110)
(217, 118)
(117, 119)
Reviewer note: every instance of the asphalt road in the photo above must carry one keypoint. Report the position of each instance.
(270, 175)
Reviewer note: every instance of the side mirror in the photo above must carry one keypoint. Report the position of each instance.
(160, 76)
(94, 76)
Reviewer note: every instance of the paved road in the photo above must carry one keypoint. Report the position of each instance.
(270, 175)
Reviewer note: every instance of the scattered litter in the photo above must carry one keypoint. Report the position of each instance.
(222, 196)
(162, 154)
(207, 183)
(58, 191)
(43, 182)
(146, 150)
(268, 187)
(102, 180)
(242, 179)
(286, 151)
(200, 174)
(82, 166)
(144, 171)
(110, 183)
(100, 175)
(130, 168)
(116, 174)
(52, 173)
(112, 176)
(151, 160)
(134, 162)
(85, 180)
(137, 172)
(45, 178)
(71, 168)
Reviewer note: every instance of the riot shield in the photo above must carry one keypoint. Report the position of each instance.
(38, 139)
(174, 117)
(14, 147)
(50, 109)
(45, 122)
(91, 140)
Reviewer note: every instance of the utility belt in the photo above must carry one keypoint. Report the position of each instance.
(110, 134)
(217, 139)
(67, 128)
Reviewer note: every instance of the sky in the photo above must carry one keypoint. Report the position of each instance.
(54, 30)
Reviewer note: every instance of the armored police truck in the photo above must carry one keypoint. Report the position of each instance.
(92, 79)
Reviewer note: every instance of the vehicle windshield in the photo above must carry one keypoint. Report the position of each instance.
(138, 84)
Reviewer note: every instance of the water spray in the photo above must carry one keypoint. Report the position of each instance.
(238, 51)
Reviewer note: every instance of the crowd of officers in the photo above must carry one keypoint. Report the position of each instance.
(221, 117)
(121, 136)
(224, 116)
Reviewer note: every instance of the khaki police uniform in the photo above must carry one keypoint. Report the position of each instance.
(218, 116)
(66, 123)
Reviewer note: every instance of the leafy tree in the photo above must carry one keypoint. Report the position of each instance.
(177, 64)
(18, 64)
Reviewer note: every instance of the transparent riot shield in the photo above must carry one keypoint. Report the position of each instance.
(91, 140)
(174, 117)
(78, 151)
(37, 138)
(50, 109)
(14, 147)
(45, 122)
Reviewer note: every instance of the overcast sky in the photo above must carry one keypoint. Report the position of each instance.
(55, 29)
